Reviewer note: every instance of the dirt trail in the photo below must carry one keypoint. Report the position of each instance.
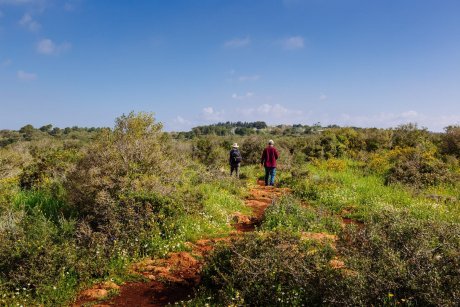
(173, 279)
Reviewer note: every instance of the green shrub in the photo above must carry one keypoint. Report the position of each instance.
(208, 151)
(8, 190)
(12, 160)
(451, 141)
(122, 188)
(392, 260)
(50, 165)
(418, 169)
(409, 135)
(415, 262)
(36, 255)
(327, 145)
(377, 139)
(269, 269)
(251, 149)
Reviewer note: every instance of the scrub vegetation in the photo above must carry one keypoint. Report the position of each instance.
(373, 217)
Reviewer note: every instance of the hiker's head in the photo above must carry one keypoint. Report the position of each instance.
(271, 143)
(235, 145)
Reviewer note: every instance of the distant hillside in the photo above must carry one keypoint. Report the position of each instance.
(251, 128)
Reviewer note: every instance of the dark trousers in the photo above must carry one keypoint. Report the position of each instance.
(235, 168)
(270, 173)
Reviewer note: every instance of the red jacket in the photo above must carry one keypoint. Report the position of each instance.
(269, 156)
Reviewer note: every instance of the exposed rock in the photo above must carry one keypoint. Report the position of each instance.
(319, 236)
(239, 218)
(95, 294)
(337, 264)
(110, 285)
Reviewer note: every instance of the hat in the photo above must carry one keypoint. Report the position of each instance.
(271, 142)
(235, 145)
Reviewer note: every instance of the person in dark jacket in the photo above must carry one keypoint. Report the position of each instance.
(235, 160)
(269, 157)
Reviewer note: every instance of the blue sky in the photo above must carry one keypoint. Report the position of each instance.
(350, 62)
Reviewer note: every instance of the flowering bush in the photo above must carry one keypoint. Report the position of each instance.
(417, 168)
(415, 261)
(267, 269)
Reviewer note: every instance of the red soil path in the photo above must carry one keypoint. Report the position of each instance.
(174, 278)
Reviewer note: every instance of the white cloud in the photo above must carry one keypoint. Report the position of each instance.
(209, 114)
(409, 114)
(383, 119)
(237, 42)
(445, 120)
(293, 43)
(29, 23)
(280, 114)
(323, 97)
(6, 63)
(234, 77)
(69, 7)
(26, 76)
(248, 78)
(244, 96)
(48, 47)
(181, 121)
(72, 5)
(270, 113)
(386, 120)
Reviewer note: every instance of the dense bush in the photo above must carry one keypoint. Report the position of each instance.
(451, 141)
(10, 163)
(327, 145)
(269, 269)
(50, 165)
(376, 139)
(417, 168)
(209, 152)
(394, 259)
(79, 204)
(251, 149)
(126, 180)
(409, 135)
(396, 256)
(76, 212)
(36, 255)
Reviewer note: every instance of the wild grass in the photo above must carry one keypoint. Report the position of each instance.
(37, 233)
(395, 258)
(214, 220)
(252, 173)
(353, 194)
(289, 214)
(52, 207)
(75, 213)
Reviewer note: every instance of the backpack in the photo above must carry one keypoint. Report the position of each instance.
(236, 156)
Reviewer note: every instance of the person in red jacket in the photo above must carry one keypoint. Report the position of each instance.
(269, 157)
